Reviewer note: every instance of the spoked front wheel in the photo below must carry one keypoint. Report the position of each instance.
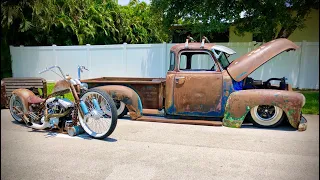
(100, 113)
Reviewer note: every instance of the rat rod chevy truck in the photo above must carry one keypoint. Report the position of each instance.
(202, 83)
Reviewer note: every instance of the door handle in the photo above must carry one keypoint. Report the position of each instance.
(179, 80)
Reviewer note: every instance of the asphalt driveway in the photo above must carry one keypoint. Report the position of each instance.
(147, 150)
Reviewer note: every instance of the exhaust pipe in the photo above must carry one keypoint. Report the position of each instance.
(40, 127)
(45, 124)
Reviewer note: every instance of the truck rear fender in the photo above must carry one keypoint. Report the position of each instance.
(239, 104)
(127, 96)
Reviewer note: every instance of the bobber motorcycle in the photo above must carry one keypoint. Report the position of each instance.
(95, 110)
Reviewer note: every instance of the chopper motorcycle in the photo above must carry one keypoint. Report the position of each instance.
(94, 110)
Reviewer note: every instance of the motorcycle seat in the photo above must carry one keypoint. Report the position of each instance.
(35, 100)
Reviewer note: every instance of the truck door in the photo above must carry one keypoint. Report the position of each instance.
(197, 86)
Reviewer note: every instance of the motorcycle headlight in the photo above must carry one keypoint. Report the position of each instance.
(84, 85)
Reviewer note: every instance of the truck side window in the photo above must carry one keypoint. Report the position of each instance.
(172, 61)
(196, 61)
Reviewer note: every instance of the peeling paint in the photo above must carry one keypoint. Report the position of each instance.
(127, 96)
(240, 102)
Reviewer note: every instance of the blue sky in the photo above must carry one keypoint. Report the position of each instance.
(125, 2)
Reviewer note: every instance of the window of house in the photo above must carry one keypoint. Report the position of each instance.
(196, 61)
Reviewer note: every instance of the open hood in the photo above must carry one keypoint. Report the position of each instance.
(243, 66)
(223, 49)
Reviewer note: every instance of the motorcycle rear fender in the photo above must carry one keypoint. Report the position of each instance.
(239, 104)
(24, 94)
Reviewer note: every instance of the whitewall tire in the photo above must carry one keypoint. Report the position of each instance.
(266, 115)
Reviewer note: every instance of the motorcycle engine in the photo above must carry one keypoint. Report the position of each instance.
(57, 106)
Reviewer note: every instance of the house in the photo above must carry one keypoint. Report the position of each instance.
(309, 33)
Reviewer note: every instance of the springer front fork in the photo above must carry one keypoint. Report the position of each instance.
(84, 107)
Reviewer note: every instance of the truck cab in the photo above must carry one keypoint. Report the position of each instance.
(194, 81)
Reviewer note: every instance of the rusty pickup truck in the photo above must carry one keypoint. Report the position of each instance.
(202, 83)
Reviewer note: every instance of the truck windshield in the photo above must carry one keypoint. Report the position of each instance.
(223, 59)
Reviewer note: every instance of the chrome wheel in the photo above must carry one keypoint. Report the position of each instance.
(101, 117)
(265, 112)
(121, 108)
(266, 115)
(15, 102)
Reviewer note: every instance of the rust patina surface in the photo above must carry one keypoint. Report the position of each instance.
(199, 94)
(239, 104)
(243, 66)
(169, 90)
(207, 93)
(24, 95)
(60, 86)
(193, 45)
(4, 100)
(150, 90)
(126, 95)
(180, 121)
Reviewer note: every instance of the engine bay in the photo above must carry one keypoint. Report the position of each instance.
(250, 83)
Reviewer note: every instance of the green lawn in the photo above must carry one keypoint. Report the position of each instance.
(311, 106)
(312, 102)
(50, 88)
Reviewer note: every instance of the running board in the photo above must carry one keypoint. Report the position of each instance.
(179, 121)
(152, 111)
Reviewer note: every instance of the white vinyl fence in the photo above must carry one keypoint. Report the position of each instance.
(301, 67)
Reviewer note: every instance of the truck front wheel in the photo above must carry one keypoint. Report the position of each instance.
(266, 116)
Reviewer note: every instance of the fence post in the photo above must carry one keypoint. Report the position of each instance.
(55, 59)
(252, 45)
(125, 56)
(89, 59)
(164, 59)
(20, 50)
(300, 62)
(54, 54)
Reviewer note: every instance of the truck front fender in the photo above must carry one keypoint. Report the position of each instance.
(239, 104)
(127, 96)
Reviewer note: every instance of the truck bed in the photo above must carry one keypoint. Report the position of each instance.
(150, 90)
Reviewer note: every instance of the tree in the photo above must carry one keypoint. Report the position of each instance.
(72, 22)
(75, 22)
(268, 18)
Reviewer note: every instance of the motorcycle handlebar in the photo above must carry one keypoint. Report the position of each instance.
(83, 67)
(46, 69)
(49, 68)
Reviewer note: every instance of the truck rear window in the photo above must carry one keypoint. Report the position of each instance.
(196, 61)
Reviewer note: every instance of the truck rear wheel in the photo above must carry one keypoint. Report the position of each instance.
(121, 108)
(266, 116)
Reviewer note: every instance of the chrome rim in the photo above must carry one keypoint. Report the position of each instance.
(15, 102)
(266, 112)
(97, 122)
(120, 106)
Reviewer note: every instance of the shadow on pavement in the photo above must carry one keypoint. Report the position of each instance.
(55, 133)
(284, 126)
